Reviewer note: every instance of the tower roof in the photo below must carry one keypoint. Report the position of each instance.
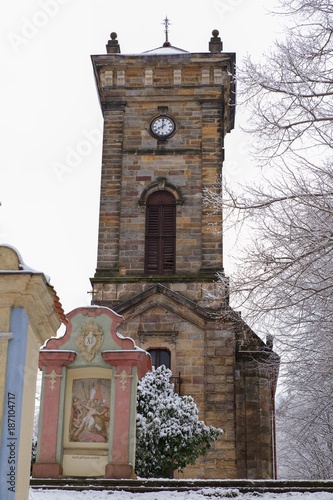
(164, 50)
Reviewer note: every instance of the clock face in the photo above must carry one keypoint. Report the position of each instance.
(162, 127)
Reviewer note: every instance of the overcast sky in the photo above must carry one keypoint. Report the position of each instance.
(51, 121)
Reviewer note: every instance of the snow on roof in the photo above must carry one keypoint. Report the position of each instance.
(22, 268)
(165, 50)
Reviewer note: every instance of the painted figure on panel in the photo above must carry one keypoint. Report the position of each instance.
(90, 413)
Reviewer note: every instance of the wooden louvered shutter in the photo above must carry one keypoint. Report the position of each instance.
(168, 239)
(160, 252)
(152, 239)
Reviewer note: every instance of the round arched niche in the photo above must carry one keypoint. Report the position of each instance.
(161, 184)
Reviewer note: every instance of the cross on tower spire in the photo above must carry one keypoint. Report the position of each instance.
(166, 23)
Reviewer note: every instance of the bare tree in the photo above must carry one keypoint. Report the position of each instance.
(284, 272)
(284, 280)
(305, 415)
(290, 95)
(305, 442)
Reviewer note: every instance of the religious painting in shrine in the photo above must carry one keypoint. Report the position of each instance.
(90, 410)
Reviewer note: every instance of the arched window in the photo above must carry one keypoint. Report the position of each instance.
(160, 250)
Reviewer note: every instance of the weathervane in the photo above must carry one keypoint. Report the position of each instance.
(166, 23)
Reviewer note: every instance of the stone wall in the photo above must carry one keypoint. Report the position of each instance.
(132, 159)
(187, 313)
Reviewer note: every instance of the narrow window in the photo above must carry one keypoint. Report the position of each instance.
(160, 357)
(163, 357)
(160, 251)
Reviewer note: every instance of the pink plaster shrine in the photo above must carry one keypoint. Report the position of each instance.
(88, 400)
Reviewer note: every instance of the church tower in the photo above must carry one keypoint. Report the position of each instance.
(166, 113)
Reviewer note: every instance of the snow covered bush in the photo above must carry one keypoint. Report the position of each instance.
(169, 434)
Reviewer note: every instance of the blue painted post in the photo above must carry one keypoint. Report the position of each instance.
(12, 414)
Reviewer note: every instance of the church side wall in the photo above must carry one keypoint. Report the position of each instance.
(204, 357)
(254, 416)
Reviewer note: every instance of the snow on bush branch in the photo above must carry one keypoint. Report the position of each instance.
(169, 433)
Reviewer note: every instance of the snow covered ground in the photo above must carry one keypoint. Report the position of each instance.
(204, 494)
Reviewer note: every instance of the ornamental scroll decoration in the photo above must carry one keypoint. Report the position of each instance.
(90, 340)
(53, 378)
(123, 379)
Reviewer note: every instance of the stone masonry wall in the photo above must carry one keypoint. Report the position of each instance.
(205, 360)
(206, 293)
(232, 391)
(254, 403)
(191, 160)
